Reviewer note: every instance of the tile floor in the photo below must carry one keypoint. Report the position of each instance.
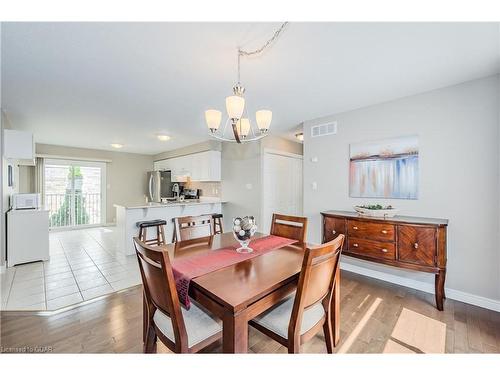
(83, 264)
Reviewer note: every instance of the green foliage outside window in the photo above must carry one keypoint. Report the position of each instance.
(63, 214)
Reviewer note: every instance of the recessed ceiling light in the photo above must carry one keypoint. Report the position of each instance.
(300, 137)
(163, 137)
(116, 145)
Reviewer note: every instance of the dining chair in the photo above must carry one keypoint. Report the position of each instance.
(293, 227)
(193, 230)
(300, 316)
(181, 330)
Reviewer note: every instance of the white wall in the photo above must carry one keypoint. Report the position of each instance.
(191, 149)
(242, 176)
(458, 129)
(241, 181)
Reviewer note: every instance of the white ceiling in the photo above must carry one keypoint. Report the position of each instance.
(91, 84)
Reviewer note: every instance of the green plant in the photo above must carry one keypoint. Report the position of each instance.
(376, 207)
(63, 214)
(74, 171)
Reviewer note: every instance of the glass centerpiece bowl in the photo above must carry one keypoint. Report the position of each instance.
(243, 230)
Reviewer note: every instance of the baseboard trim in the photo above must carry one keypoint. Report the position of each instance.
(458, 295)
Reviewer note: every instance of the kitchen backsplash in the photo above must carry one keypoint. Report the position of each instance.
(208, 189)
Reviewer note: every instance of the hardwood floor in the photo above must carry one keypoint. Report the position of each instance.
(370, 310)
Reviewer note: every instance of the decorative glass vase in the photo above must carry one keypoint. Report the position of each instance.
(243, 230)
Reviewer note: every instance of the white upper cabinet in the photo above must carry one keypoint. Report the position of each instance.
(161, 165)
(202, 166)
(19, 146)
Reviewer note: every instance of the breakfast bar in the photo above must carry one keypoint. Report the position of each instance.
(128, 216)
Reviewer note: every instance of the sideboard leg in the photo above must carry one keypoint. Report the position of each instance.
(439, 284)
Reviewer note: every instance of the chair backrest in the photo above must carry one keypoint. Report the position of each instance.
(316, 283)
(159, 288)
(293, 227)
(193, 230)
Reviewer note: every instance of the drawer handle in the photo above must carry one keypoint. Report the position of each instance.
(384, 231)
(415, 245)
(355, 245)
(384, 250)
(356, 228)
(334, 232)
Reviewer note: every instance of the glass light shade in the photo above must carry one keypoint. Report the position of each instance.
(263, 118)
(234, 106)
(243, 127)
(213, 118)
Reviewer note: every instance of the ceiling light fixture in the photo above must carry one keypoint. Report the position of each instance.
(163, 137)
(241, 129)
(300, 137)
(116, 145)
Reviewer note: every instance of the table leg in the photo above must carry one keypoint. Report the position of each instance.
(235, 333)
(336, 311)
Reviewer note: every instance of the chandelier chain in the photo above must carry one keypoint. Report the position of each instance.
(261, 49)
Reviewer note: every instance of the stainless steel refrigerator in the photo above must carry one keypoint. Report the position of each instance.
(159, 185)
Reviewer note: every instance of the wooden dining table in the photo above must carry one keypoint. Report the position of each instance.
(238, 293)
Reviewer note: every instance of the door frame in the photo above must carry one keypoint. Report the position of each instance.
(268, 151)
(83, 163)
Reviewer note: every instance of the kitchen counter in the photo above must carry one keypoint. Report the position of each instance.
(172, 204)
(127, 217)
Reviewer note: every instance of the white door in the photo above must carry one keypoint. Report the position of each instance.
(282, 186)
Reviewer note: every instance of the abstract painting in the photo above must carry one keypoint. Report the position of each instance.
(384, 169)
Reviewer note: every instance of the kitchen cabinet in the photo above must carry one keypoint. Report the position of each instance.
(19, 146)
(202, 166)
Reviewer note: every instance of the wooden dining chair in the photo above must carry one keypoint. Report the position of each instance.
(193, 230)
(300, 316)
(181, 330)
(293, 227)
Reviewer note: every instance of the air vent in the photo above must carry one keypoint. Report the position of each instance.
(324, 129)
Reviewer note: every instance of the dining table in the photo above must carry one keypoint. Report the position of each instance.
(239, 292)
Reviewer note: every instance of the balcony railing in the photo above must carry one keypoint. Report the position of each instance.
(69, 210)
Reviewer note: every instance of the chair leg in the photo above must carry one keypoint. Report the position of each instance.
(294, 346)
(327, 330)
(150, 344)
(145, 322)
(162, 236)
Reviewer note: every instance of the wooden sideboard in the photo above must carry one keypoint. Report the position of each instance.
(414, 243)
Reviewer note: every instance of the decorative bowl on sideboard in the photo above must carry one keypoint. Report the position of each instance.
(376, 211)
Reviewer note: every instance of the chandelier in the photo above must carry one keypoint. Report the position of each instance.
(237, 127)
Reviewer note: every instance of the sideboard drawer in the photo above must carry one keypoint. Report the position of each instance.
(417, 245)
(333, 227)
(371, 230)
(374, 249)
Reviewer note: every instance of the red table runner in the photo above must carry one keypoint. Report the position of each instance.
(186, 269)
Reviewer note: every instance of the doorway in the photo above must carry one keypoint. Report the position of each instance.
(282, 186)
(74, 193)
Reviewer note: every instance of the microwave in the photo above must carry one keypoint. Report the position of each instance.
(25, 201)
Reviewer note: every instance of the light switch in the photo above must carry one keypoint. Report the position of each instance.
(249, 186)
(314, 159)
(314, 185)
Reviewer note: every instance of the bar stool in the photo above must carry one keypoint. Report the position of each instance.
(160, 234)
(217, 223)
